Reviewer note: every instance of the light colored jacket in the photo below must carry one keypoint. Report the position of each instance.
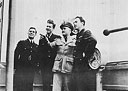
(64, 58)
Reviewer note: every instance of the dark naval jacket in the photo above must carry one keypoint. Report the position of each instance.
(47, 53)
(85, 45)
(25, 63)
(26, 55)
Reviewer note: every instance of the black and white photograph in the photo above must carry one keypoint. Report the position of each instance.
(63, 45)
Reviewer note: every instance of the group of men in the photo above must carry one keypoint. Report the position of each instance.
(63, 61)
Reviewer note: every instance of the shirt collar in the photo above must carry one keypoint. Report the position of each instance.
(80, 32)
(31, 40)
(69, 39)
(48, 36)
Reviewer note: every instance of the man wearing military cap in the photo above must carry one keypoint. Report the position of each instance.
(64, 59)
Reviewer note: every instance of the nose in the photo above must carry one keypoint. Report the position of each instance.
(63, 31)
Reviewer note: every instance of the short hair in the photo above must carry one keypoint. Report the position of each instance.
(33, 28)
(81, 19)
(51, 22)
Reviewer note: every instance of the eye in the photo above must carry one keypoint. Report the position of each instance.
(75, 22)
(32, 31)
(64, 28)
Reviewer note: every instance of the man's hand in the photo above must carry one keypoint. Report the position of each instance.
(58, 41)
(43, 38)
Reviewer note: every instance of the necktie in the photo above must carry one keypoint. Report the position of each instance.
(65, 39)
(31, 42)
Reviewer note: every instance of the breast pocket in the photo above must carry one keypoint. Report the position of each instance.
(71, 44)
(57, 65)
(69, 59)
(69, 64)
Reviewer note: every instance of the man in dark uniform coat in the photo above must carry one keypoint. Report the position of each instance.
(47, 55)
(84, 76)
(25, 62)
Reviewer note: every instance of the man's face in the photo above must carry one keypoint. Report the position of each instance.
(66, 31)
(31, 33)
(77, 24)
(49, 28)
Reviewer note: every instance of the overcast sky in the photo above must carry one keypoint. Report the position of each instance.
(98, 14)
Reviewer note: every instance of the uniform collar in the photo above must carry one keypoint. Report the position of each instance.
(80, 32)
(69, 39)
(48, 36)
(31, 40)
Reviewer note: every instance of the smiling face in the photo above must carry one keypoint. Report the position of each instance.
(32, 33)
(66, 31)
(49, 28)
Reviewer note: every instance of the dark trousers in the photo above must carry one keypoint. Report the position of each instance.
(47, 77)
(84, 81)
(23, 79)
